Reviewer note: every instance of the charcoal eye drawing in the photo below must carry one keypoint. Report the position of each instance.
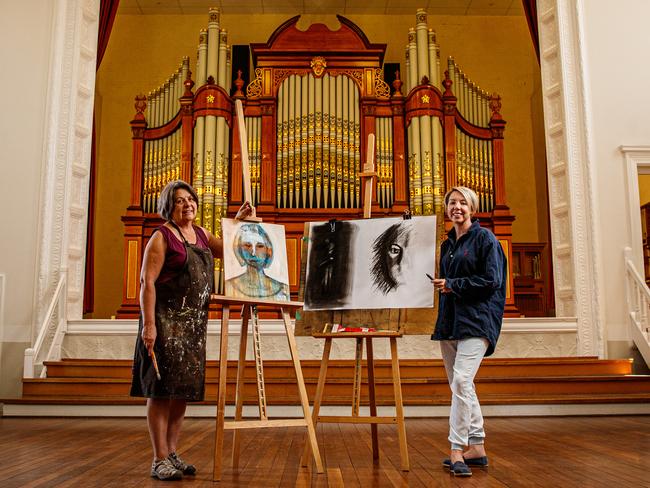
(370, 263)
(388, 253)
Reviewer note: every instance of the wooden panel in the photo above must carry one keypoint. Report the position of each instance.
(293, 258)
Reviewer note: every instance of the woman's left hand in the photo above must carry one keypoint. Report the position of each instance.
(244, 211)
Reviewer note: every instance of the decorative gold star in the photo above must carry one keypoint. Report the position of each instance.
(425, 98)
(210, 98)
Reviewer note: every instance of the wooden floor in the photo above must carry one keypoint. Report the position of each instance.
(551, 452)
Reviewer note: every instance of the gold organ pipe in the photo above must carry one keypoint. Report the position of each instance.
(345, 140)
(434, 73)
(213, 44)
(285, 143)
(258, 142)
(221, 155)
(380, 151)
(311, 141)
(413, 58)
(297, 91)
(292, 138)
(159, 145)
(222, 64)
(339, 140)
(326, 138)
(202, 59)
(319, 139)
(389, 176)
(357, 147)
(333, 136)
(199, 153)
(421, 32)
(209, 171)
(280, 149)
(304, 142)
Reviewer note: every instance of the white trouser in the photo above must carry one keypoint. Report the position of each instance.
(462, 359)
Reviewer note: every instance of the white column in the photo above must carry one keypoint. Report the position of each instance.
(571, 173)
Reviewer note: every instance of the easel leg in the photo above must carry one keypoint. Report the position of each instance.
(356, 387)
(239, 392)
(372, 399)
(311, 433)
(399, 407)
(221, 403)
(319, 396)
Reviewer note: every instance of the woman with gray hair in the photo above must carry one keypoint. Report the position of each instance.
(175, 285)
(472, 286)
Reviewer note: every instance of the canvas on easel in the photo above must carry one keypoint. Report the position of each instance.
(255, 260)
(374, 263)
(370, 264)
(256, 273)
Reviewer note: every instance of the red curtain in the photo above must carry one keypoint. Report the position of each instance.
(107, 11)
(530, 8)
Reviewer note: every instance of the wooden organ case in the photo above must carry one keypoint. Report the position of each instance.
(315, 98)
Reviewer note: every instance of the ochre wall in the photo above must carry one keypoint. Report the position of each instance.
(644, 189)
(143, 50)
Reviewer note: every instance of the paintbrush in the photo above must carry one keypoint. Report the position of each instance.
(155, 364)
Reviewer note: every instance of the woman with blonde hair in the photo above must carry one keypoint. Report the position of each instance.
(472, 286)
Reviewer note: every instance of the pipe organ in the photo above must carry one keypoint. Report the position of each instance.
(315, 97)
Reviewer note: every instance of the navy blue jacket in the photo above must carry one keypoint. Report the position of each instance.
(475, 269)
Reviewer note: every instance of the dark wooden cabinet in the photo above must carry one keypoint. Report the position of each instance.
(532, 279)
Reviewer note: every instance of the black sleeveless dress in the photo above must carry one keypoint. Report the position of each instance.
(181, 314)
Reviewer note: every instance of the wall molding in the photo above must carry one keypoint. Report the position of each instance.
(66, 155)
(274, 327)
(571, 168)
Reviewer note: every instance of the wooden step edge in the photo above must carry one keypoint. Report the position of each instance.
(334, 363)
(404, 380)
(485, 399)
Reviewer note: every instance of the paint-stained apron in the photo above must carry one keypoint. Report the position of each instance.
(181, 326)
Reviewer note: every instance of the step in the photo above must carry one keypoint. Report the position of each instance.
(497, 367)
(415, 389)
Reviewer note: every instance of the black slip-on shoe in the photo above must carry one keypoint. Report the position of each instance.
(479, 462)
(459, 468)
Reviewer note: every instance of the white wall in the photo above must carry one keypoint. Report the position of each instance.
(616, 44)
(25, 32)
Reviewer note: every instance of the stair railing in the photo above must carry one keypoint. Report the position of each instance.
(638, 306)
(50, 336)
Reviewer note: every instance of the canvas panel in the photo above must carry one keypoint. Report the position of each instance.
(370, 264)
(255, 260)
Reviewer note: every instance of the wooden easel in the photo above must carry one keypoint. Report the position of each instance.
(250, 311)
(367, 175)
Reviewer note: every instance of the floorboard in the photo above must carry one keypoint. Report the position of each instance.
(609, 451)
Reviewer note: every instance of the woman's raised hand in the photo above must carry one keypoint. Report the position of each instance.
(244, 211)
